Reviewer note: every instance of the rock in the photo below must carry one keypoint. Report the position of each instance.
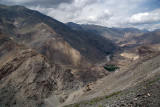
(149, 94)
(61, 100)
(87, 88)
(135, 99)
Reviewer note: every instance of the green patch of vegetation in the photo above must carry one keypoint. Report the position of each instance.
(100, 105)
(73, 105)
(113, 94)
(26, 30)
(111, 68)
(77, 105)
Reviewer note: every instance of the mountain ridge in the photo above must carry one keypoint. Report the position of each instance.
(28, 77)
(113, 34)
(25, 19)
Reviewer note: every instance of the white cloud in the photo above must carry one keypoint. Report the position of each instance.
(80, 11)
(155, 26)
(92, 18)
(42, 3)
(110, 13)
(146, 17)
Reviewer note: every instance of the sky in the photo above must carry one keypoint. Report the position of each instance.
(143, 14)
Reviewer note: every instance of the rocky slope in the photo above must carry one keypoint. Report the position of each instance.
(127, 86)
(144, 94)
(128, 56)
(41, 58)
(27, 78)
(32, 28)
(147, 38)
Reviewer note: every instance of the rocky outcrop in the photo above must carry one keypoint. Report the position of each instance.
(28, 77)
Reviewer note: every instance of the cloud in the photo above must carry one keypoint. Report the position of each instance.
(155, 26)
(42, 3)
(110, 13)
(146, 17)
(80, 11)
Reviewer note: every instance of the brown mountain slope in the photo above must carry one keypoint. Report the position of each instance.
(136, 75)
(145, 94)
(24, 24)
(114, 34)
(148, 38)
(44, 39)
(27, 77)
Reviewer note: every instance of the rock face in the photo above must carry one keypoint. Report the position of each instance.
(27, 77)
(33, 28)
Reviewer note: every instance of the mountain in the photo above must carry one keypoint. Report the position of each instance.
(135, 84)
(35, 29)
(27, 77)
(157, 30)
(113, 34)
(74, 26)
(149, 38)
(41, 58)
(46, 63)
(145, 39)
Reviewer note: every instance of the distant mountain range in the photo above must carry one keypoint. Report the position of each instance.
(144, 39)
(113, 34)
(127, 35)
(157, 30)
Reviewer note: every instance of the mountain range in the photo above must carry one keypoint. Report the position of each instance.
(47, 63)
(26, 26)
(113, 34)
